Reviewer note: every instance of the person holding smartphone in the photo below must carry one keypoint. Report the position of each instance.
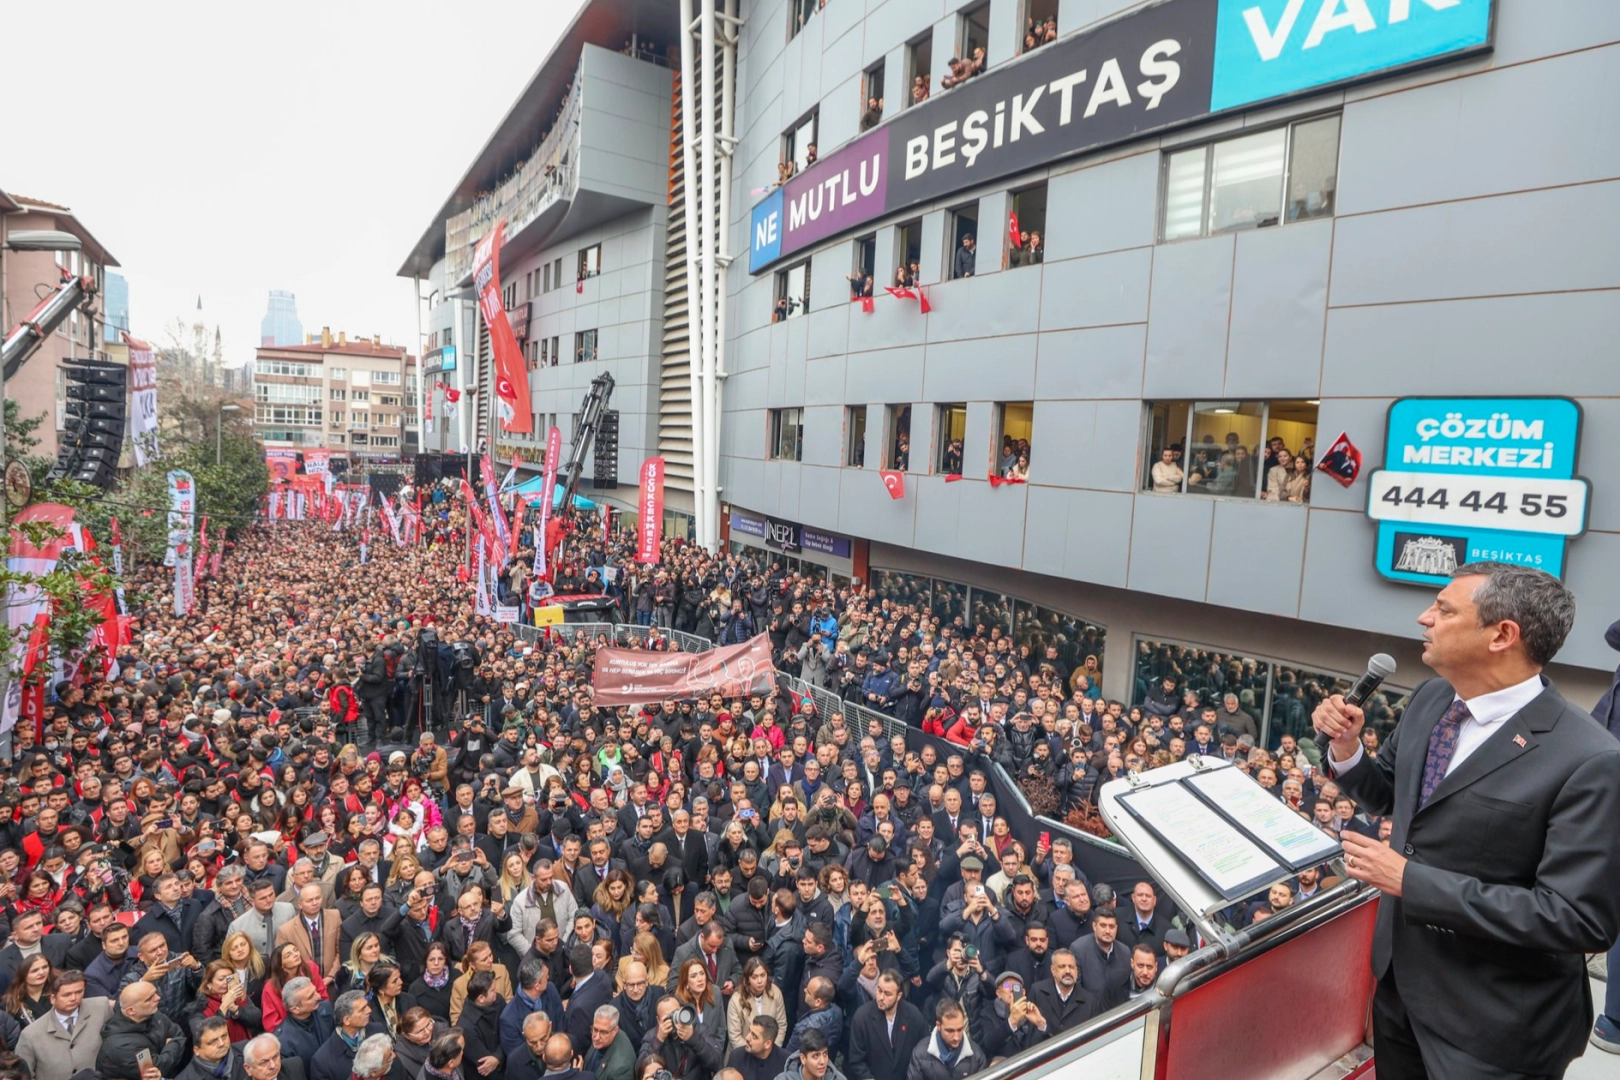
(139, 1041)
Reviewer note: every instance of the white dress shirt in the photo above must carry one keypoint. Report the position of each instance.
(1486, 713)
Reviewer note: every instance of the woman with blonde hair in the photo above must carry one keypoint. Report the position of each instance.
(514, 875)
(693, 988)
(481, 957)
(242, 955)
(364, 954)
(756, 995)
(644, 948)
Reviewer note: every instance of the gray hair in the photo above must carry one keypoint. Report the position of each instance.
(1532, 599)
(231, 872)
(344, 1006)
(260, 1046)
(294, 987)
(304, 862)
(372, 1057)
(608, 1013)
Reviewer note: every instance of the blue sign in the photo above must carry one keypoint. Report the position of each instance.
(1477, 480)
(765, 228)
(447, 358)
(1271, 48)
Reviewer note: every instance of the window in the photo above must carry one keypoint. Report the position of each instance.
(855, 429)
(801, 12)
(282, 367)
(1252, 181)
(951, 431)
(792, 292)
(590, 262)
(509, 296)
(898, 454)
(385, 378)
(1013, 439)
(787, 435)
(585, 346)
(1029, 221)
(963, 223)
(360, 395)
(872, 97)
(531, 355)
(556, 350)
(972, 39)
(799, 145)
(861, 279)
(919, 69)
(556, 273)
(908, 249)
(1239, 449)
(283, 392)
(547, 277)
(1040, 24)
(388, 399)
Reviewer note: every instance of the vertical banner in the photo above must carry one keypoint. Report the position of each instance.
(511, 375)
(365, 545)
(548, 495)
(118, 566)
(213, 571)
(143, 419)
(650, 503)
(607, 525)
(481, 596)
(492, 493)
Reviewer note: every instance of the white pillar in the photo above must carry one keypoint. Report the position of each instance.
(690, 85)
(708, 531)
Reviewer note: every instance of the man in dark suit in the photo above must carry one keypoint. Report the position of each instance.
(28, 930)
(686, 848)
(262, 1060)
(1062, 1001)
(1143, 923)
(487, 925)
(173, 916)
(884, 1032)
(1502, 870)
(592, 990)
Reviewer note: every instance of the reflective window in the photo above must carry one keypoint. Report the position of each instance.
(952, 430)
(1235, 449)
(989, 610)
(1251, 180)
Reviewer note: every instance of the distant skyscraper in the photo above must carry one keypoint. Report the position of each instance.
(115, 299)
(281, 325)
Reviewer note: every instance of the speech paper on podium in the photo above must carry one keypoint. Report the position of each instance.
(1232, 863)
(1292, 840)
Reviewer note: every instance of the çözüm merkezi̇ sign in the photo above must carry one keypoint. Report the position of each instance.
(1155, 68)
(1477, 480)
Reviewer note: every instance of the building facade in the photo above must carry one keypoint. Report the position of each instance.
(351, 397)
(40, 386)
(280, 325)
(1236, 235)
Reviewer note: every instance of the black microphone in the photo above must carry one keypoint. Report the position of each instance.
(1379, 667)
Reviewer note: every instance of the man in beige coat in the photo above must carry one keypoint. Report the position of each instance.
(329, 928)
(68, 1038)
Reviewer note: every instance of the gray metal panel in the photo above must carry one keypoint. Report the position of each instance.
(1192, 300)
(989, 523)
(829, 330)
(818, 494)
(1341, 587)
(1104, 290)
(1114, 454)
(1461, 249)
(1364, 420)
(1170, 545)
(865, 509)
(1105, 362)
(1566, 339)
(1256, 556)
(1279, 311)
(939, 510)
(824, 435)
(1078, 534)
(984, 307)
(1485, 135)
(1524, 30)
(1591, 562)
(994, 369)
(892, 376)
(1063, 445)
(1600, 449)
(824, 381)
(1115, 206)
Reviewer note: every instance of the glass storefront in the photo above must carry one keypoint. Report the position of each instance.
(1280, 696)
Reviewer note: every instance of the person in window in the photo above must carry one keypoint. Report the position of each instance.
(1297, 488)
(1020, 468)
(904, 278)
(1034, 249)
(1049, 30)
(1009, 456)
(779, 310)
(1224, 478)
(860, 284)
(1030, 42)
(962, 267)
(1243, 480)
(1166, 474)
(953, 458)
(1277, 476)
(873, 115)
(978, 63)
(810, 154)
(919, 89)
(902, 454)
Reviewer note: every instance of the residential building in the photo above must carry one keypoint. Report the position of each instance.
(1231, 252)
(40, 387)
(354, 397)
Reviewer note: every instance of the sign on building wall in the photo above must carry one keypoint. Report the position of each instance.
(1159, 67)
(1477, 480)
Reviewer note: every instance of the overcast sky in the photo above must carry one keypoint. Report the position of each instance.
(230, 149)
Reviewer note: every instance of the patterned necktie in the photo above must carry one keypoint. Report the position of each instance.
(315, 941)
(1442, 745)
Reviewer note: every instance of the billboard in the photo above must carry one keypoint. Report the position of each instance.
(1477, 480)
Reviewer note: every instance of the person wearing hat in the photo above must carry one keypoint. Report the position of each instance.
(1176, 945)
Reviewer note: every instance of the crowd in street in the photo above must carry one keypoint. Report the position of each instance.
(263, 850)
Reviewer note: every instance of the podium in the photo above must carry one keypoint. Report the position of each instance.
(1206, 1016)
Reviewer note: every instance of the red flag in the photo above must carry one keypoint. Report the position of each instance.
(895, 481)
(922, 300)
(951, 478)
(866, 305)
(579, 286)
(511, 374)
(650, 501)
(900, 293)
(452, 395)
(1342, 461)
(1013, 236)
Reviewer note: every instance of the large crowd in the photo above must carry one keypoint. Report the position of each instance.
(265, 850)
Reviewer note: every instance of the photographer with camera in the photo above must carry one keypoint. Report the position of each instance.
(680, 1042)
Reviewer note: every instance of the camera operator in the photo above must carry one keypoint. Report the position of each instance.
(681, 1043)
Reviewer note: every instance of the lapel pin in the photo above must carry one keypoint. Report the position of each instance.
(1520, 740)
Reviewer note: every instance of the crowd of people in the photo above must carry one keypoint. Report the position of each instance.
(1231, 468)
(257, 853)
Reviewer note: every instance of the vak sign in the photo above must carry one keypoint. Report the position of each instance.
(637, 676)
(1477, 480)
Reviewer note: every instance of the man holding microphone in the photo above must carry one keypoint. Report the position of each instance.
(1503, 868)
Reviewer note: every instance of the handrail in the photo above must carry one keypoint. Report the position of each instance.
(1074, 1038)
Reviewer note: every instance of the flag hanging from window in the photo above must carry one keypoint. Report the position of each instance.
(1014, 237)
(895, 481)
(1342, 461)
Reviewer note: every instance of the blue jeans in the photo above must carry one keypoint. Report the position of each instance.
(644, 618)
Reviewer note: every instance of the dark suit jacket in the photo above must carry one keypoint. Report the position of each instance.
(582, 1006)
(54, 946)
(178, 936)
(1513, 873)
(1062, 1015)
(1152, 935)
(695, 860)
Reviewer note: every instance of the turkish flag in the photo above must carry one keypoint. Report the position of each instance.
(1342, 461)
(866, 304)
(899, 292)
(579, 286)
(895, 481)
(922, 300)
(1013, 235)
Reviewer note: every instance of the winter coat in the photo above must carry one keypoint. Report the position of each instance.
(927, 1060)
(123, 1038)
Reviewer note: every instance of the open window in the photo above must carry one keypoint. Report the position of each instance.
(1040, 24)
(799, 144)
(973, 37)
(1252, 180)
(855, 436)
(908, 252)
(862, 281)
(585, 346)
(1016, 423)
(872, 100)
(950, 431)
(919, 69)
(898, 453)
(963, 223)
(590, 261)
(792, 292)
(1028, 222)
(787, 434)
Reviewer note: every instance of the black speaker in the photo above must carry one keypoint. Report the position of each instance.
(96, 410)
(605, 452)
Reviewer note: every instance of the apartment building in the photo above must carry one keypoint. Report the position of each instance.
(352, 396)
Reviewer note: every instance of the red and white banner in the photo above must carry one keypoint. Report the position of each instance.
(317, 462)
(143, 418)
(511, 374)
(482, 605)
(118, 566)
(27, 603)
(492, 493)
(548, 494)
(637, 676)
(650, 505)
